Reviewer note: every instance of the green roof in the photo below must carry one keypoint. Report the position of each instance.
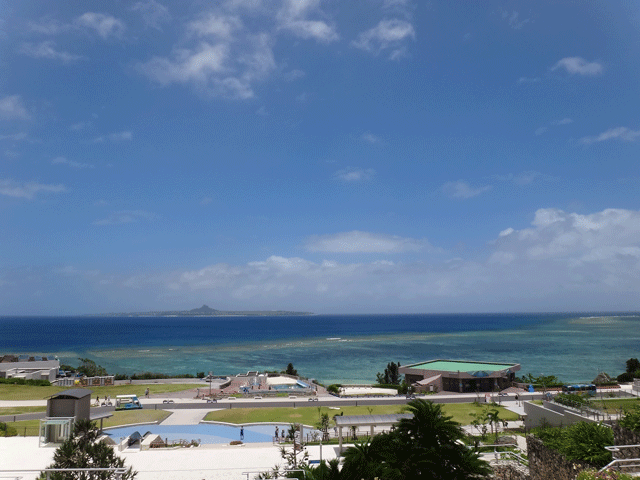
(458, 366)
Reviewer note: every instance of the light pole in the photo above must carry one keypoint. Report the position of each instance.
(210, 380)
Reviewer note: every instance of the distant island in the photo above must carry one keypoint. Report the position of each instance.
(203, 311)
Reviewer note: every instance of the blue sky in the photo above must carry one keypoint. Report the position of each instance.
(335, 157)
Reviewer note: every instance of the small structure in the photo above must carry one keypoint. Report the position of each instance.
(151, 440)
(63, 410)
(371, 421)
(459, 376)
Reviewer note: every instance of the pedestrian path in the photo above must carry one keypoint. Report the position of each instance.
(185, 416)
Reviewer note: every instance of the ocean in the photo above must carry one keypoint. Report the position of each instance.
(332, 348)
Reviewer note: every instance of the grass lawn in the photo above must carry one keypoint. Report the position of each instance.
(19, 410)
(30, 428)
(461, 413)
(614, 405)
(29, 392)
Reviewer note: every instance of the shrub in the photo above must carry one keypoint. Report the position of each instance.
(334, 388)
(581, 441)
(571, 399)
(631, 419)
(592, 474)
(7, 431)
(22, 381)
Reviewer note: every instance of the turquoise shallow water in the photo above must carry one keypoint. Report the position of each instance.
(340, 349)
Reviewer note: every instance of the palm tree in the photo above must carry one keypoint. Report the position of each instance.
(425, 446)
(80, 450)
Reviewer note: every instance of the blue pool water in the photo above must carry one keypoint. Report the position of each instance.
(205, 432)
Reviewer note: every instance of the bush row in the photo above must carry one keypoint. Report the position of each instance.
(22, 381)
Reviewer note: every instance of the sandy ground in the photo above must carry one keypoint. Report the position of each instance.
(367, 391)
(224, 462)
(281, 381)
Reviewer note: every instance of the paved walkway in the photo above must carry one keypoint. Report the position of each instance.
(185, 417)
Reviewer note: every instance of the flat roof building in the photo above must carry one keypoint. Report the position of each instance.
(459, 376)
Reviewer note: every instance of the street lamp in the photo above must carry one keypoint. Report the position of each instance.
(210, 380)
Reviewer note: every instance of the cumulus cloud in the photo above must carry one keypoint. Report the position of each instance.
(293, 75)
(120, 136)
(48, 51)
(350, 174)
(563, 121)
(561, 261)
(104, 25)
(619, 133)
(28, 190)
(364, 242)
(153, 13)
(578, 65)
(387, 34)
(462, 190)
(126, 216)
(70, 163)
(294, 17)
(11, 108)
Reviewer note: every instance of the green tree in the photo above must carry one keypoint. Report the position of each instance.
(633, 365)
(89, 368)
(323, 424)
(291, 371)
(80, 450)
(391, 375)
(422, 447)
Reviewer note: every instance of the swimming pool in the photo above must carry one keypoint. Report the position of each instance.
(290, 386)
(205, 432)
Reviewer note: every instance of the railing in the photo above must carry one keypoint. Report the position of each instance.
(621, 463)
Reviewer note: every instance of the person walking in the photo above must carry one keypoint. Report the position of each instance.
(146, 392)
(277, 433)
(241, 433)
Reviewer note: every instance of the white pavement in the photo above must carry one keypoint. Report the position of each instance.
(220, 462)
(185, 416)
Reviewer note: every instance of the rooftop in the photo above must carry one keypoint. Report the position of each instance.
(460, 366)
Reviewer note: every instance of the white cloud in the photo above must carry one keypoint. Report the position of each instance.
(104, 25)
(463, 190)
(126, 216)
(219, 26)
(350, 174)
(294, 17)
(513, 19)
(564, 121)
(293, 75)
(524, 178)
(47, 50)
(578, 65)
(48, 27)
(27, 190)
(153, 13)
(619, 133)
(120, 136)
(539, 131)
(364, 242)
(11, 108)
(370, 137)
(14, 136)
(70, 163)
(387, 34)
(76, 127)
(562, 261)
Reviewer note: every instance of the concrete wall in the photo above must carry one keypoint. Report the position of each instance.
(551, 414)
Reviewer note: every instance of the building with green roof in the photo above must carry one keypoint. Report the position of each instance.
(459, 376)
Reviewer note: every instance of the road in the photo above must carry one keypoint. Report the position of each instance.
(323, 401)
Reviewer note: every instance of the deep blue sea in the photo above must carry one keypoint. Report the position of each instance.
(332, 348)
